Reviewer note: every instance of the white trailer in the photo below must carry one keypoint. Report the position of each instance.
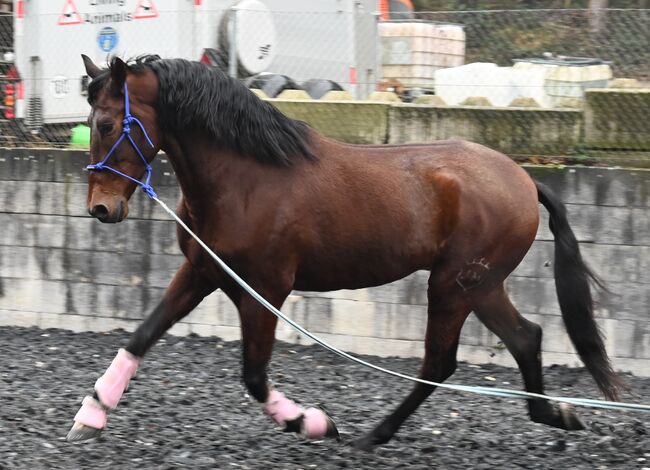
(303, 39)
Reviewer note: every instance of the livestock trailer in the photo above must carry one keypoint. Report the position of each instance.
(324, 39)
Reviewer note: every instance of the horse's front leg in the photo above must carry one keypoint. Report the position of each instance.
(184, 293)
(258, 334)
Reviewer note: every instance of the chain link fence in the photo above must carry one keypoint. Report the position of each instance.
(513, 79)
(618, 36)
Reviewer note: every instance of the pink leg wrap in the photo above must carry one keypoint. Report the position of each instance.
(91, 414)
(281, 409)
(114, 382)
(314, 426)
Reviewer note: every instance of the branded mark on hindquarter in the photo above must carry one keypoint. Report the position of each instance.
(473, 273)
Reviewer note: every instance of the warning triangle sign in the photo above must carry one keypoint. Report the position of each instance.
(145, 9)
(70, 14)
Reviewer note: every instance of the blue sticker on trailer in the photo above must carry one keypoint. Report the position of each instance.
(107, 39)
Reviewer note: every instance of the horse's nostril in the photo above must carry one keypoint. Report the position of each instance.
(99, 211)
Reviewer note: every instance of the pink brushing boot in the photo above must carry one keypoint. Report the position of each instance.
(115, 381)
(314, 424)
(91, 417)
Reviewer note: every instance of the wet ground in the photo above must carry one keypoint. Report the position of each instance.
(188, 408)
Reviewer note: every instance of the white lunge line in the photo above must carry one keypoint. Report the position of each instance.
(499, 392)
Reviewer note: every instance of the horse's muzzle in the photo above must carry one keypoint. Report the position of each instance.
(107, 216)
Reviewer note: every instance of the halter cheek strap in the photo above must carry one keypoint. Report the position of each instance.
(126, 134)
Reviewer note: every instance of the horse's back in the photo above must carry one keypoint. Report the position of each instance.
(478, 174)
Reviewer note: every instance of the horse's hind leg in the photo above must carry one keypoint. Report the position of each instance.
(258, 335)
(184, 293)
(444, 322)
(523, 339)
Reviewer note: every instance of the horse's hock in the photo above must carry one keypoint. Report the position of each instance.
(60, 268)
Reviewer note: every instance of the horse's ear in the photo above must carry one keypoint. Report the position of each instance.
(118, 74)
(91, 69)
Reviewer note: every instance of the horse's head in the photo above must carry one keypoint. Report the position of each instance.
(122, 103)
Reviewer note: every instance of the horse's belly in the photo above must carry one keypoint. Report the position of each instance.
(323, 282)
(365, 268)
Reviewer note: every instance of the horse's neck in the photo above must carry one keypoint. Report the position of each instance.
(201, 171)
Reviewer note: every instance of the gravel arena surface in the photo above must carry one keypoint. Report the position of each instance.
(188, 409)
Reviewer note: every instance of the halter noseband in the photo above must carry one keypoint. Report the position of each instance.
(126, 132)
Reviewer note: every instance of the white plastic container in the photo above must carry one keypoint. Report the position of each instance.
(500, 85)
(413, 50)
(565, 79)
(551, 83)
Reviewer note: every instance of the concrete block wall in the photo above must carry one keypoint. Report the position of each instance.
(617, 119)
(514, 131)
(60, 268)
(354, 122)
(612, 119)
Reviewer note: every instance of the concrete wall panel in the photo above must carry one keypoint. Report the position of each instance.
(60, 268)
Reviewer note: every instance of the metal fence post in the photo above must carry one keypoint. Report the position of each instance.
(232, 52)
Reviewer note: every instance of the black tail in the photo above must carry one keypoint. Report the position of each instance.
(572, 278)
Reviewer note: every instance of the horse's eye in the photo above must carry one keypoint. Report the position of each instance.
(105, 128)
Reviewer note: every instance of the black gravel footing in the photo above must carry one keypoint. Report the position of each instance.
(188, 408)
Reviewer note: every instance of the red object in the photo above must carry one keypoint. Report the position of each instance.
(384, 8)
(20, 9)
(197, 3)
(145, 9)
(353, 76)
(70, 14)
(12, 73)
(10, 100)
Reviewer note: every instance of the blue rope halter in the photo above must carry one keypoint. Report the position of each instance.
(126, 133)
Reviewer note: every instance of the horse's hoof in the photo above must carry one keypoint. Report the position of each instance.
(332, 430)
(81, 432)
(570, 419)
(314, 423)
(365, 443)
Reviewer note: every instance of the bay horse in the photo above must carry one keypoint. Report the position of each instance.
(288, 208)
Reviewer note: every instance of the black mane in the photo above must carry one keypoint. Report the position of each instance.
(195, 96)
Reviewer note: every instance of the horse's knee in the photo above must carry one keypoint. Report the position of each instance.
(256, 384)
